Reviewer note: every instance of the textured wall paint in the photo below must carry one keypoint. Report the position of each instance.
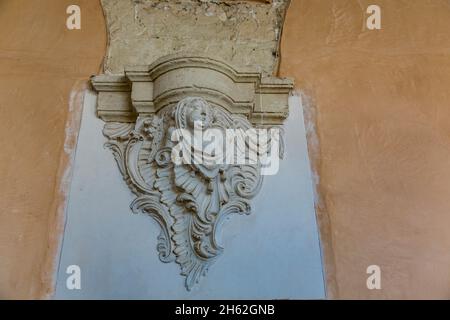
(42, 67)
(272, 253)
(380, 104)
(382, 117)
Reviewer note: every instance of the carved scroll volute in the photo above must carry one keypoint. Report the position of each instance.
(190, 201)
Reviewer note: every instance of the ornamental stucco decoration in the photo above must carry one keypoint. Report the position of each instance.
(143, 107)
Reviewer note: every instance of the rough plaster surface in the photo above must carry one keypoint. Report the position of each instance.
(380, 104)
(43, 66)
(380, 101)
(243, 33)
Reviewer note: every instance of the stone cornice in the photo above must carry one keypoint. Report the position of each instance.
(147, 89)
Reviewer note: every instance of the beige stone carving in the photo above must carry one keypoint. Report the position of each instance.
(189, 201)
(227, 52)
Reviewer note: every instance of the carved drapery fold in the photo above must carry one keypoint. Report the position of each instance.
(143, 107)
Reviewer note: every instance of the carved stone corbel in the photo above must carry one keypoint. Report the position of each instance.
(190, 201)
(144, 106)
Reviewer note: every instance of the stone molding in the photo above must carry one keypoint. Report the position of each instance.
(144, 90)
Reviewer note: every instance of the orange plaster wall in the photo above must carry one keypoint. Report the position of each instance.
(380, 103)
(43, 66)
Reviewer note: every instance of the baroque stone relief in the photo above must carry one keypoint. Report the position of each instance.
(190, 201)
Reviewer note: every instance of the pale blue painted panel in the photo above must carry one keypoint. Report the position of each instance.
(272, 254)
